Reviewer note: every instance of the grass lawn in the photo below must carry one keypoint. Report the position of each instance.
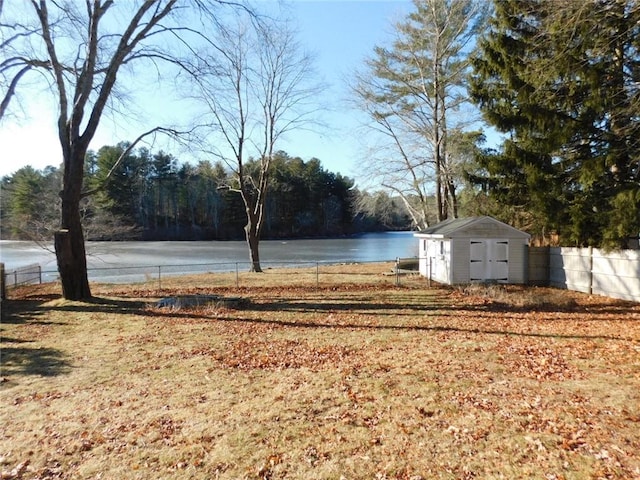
(353, 379)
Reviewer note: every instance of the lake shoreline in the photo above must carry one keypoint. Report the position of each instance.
(267, 239)
(110, 255)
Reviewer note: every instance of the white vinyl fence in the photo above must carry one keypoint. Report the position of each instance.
(613, 274)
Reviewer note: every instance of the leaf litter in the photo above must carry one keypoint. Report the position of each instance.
(354, 382)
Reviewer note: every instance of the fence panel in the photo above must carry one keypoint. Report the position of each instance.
(539, 266)
(23, 275)
(616, 274)
(613, 274)
(570, 268)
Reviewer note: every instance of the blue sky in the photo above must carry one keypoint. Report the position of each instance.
(340, 33)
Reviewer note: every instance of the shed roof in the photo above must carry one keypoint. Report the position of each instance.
(472, 227)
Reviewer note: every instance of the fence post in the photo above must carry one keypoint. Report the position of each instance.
(590, 270)
(237, 277)
(3, 291)
(39, 275)
(159, 277)
(397, 271)
(429, 276)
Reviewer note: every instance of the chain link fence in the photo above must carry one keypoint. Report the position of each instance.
(230, 274)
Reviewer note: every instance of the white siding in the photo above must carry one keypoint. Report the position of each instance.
(441, 261)
(423, 262)
(432, 258)
(460, 256)
(426, 252)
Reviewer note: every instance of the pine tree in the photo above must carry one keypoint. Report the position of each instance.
(561, 79)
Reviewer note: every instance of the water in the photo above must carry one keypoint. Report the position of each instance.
(132, 261)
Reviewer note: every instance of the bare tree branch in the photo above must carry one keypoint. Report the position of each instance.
(66, 44)
(411, 92)
(128, 150)
(254, 86)
(12, 89)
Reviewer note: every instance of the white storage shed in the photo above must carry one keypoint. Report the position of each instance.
(475, 249)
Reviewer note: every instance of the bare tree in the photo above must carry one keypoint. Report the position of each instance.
(79, 50)
(255, 86)
(396, 162)
(414, 94)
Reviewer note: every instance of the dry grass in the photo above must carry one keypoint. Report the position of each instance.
(313, 276)
(361, 379)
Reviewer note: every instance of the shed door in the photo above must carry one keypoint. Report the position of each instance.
(489, 260)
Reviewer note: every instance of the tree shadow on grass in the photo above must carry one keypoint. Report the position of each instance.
(103, 305)
(44, 362)
(372, 308)
(34, 312)
(611, 311)
(18, 312)
(18, 358)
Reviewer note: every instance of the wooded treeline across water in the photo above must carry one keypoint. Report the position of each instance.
(152, 196)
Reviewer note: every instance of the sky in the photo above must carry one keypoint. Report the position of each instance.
(340, 33)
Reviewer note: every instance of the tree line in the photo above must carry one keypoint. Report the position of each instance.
(152, 196)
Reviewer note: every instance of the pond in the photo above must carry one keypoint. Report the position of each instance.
(107, 260)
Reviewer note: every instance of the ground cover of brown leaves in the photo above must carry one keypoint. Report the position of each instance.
(367, 380)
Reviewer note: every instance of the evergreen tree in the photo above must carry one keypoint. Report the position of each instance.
(120, 185)
(562, 79)
(164, 190)
(210, 203)
(306, 199)
(30, 203)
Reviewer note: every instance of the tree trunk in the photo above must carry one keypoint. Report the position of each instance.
(439, 185)
(454, 199)
(253, 240)
(69, 240)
